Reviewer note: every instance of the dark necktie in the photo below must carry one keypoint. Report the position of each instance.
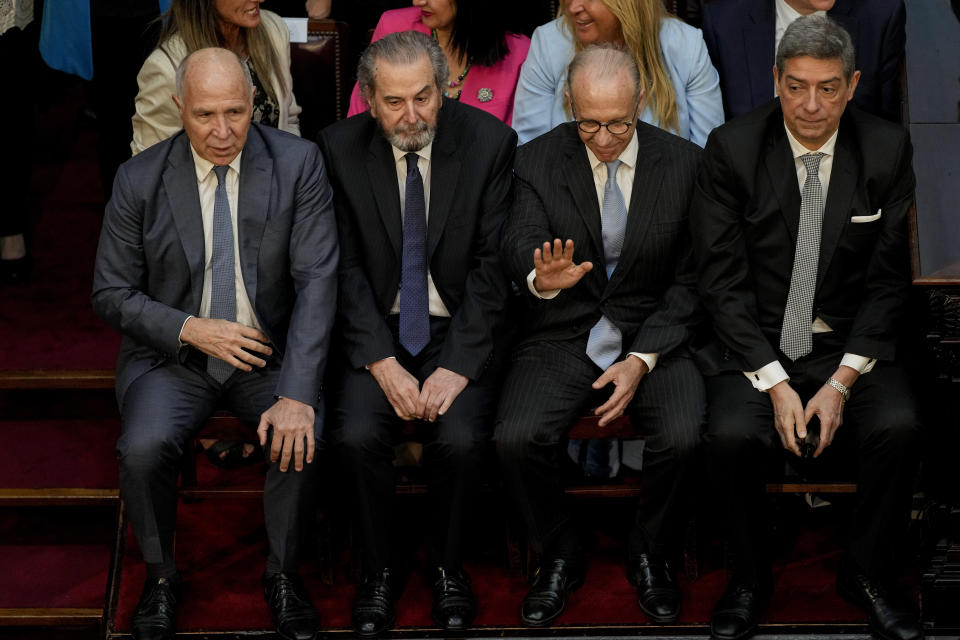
(605, 341)
(414, 301)
(223, 293)
(796, 337)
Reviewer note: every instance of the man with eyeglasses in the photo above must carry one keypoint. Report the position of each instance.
(603, 333)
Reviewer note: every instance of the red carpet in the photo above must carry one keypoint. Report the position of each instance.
(48, 323)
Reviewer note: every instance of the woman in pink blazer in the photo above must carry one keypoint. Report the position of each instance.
(484, 58)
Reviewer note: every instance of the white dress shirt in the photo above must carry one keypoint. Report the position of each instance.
(625, 175)
(785, 17)
(773, 372)
(437, 308)
(207, 189)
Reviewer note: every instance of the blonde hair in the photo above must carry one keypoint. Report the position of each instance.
(195, 21)
(640, 22)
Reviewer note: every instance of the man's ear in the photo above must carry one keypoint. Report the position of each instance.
(176, 100)
(852, 87)
(776, 79)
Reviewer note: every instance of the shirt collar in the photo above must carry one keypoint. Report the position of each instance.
(787, 14)
(627, 157)
(799, 150)
(204, 166)
(424, 153)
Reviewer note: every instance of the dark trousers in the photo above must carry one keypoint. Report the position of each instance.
(367, 429)
(161, 413)
(880, 424)
(16, 110)
(546, 391)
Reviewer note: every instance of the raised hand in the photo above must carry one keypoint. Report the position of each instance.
(555, 268)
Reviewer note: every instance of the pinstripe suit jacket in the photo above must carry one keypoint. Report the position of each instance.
(651, 294)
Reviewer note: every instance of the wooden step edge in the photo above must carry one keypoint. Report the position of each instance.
(57, 496)
(57, 379)
(40, 617)
(812, 487)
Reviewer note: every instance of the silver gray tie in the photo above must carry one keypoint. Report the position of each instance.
(796, 338)
(606, 341)
(223, 292)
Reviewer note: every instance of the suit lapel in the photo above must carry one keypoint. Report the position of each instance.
(253, 201)
(758, 40)
(782, 171)
(382, 175)
(444, 171)
(647, 178)
(578, 179)
(180, 185)
(836, 211)
(843, 13)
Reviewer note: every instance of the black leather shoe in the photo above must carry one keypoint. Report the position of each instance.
(293, 613)
(657, 592)
(889, 619)
(157, 610)
(373, 611)
(453, 603)
(738, 611)
(545, 601)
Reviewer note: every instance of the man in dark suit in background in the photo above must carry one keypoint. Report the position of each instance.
(801, 220)
(606, 335)
(422, 186)
(742, 37)
(218, 262)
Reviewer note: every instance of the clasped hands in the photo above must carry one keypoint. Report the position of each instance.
(292, 420)
(791, 417)
(409, 400)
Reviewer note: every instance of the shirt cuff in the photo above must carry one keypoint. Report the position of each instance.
(367, 366)
(649, 358)
(767, 376)
(182, 344)
(860, 364)
(543, 295)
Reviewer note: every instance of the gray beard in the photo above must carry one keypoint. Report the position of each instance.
(410, 137)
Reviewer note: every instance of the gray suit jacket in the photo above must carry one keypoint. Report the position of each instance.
(150, 260)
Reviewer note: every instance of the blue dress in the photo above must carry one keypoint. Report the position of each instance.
(539, 103)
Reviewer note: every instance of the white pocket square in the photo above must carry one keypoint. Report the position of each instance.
(859, 219)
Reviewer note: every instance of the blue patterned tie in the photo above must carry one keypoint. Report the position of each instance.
(414, 301)
(223, 292)
(605, 341)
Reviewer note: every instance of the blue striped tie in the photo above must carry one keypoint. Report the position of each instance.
(223, 292)
(414, 300)
(606, 341)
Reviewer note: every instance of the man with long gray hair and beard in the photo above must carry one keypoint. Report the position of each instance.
(422, 186)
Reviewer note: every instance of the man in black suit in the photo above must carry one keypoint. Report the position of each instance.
(218, 262)
(606, 335)
(742, 37)
(801, 219)
(422, 188)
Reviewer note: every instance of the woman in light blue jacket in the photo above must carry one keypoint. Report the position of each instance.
(682, 92)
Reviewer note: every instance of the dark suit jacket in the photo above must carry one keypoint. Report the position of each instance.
(651, 295)
(740, 38)
(470, 191)
(746, 212)
(150, 261)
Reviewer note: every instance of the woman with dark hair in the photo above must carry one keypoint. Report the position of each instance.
(484, 57)
(259, 38)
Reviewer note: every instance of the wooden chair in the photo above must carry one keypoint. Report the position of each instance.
(322, 77)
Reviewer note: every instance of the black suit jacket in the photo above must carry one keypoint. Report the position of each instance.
(651, 294)
(470, 191)
(746, 212)
(150, 261)
(740, 37)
